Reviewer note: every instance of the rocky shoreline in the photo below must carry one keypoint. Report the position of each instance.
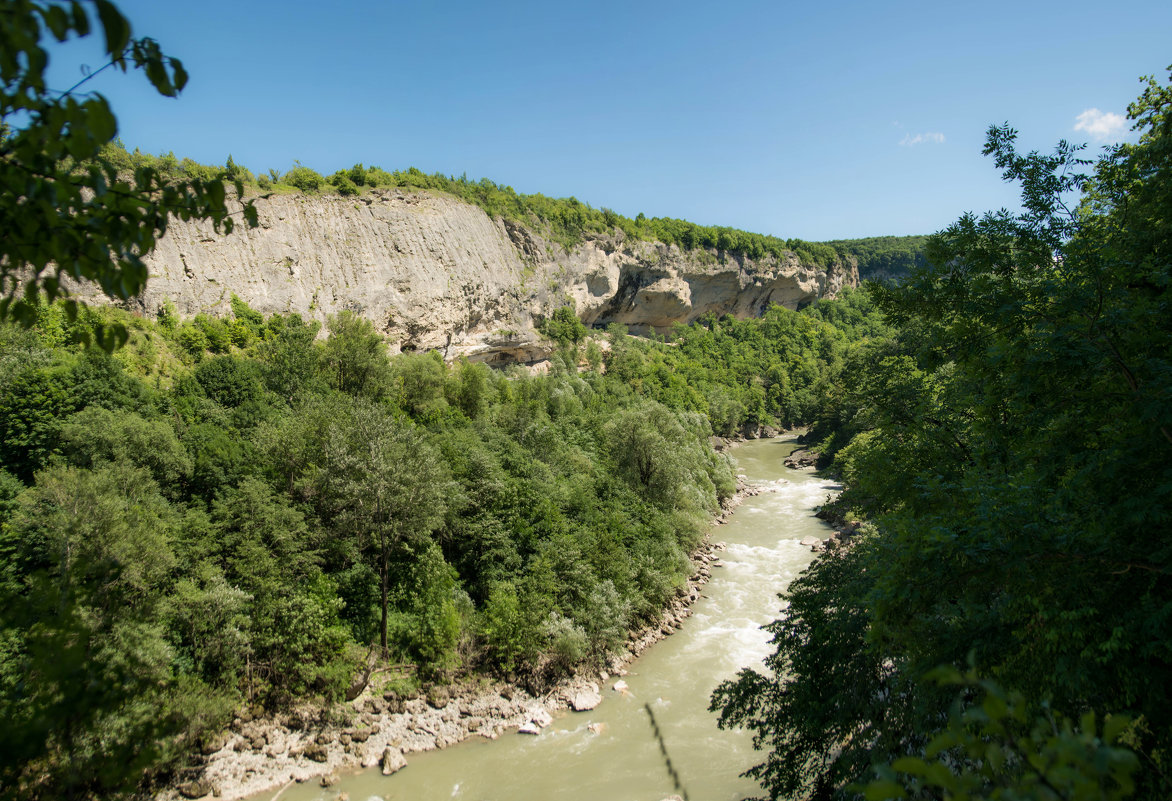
(266, 754)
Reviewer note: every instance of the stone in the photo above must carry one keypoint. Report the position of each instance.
(316, 752)
(195, 789)
(393, 761)
(329, 779)
(214, 743)
(620, 686)
(438, 697)
(539, 717)
(529, 728)
(810, 542)
(585, 699)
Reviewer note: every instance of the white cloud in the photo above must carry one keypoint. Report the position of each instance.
(1105, 126)
(921, 138)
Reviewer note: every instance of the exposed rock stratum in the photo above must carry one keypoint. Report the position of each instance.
(433, 272)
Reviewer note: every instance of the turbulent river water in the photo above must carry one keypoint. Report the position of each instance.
(570, 762)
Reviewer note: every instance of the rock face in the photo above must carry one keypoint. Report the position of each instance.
(432, 272)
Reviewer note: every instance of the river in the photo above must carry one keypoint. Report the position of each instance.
(570, 762)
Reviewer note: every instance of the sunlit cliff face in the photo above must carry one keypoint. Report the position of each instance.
(433, 272)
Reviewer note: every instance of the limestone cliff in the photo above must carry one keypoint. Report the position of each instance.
(433, 272)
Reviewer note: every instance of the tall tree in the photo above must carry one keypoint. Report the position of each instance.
(387, 484)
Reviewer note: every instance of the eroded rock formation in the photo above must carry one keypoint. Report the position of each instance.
(433, 272)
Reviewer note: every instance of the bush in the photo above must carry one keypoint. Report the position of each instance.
(303, 178)
(344, 185)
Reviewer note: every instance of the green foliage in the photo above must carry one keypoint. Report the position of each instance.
(289, 361)
(884, 257)
(387, 490)
(85, 664)
(95, 435)
(1009, 443)
(355, 356)
(228, 380)
(563, 327)
(303, 178)
(1012, 752)
(82, 216)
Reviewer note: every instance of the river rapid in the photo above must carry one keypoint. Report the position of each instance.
(619, 757)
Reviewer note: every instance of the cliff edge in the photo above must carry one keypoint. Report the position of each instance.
(433, 272)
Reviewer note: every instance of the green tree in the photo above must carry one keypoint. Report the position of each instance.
(69, 213)
(1014, 440)
(387, 485)
(85, 667)
(355, 356)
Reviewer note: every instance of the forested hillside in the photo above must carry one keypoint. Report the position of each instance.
(884, 257)
(228, 512)
(1010, 449)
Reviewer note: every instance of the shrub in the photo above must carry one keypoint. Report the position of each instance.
(303, 178)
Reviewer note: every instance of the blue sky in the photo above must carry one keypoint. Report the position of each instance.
(814, 120)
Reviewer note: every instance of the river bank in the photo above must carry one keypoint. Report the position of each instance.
(261, 755)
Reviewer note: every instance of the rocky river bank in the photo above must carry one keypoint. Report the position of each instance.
(260, 755)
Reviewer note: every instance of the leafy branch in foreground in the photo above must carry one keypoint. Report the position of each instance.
(1005, 749)
(65, 212)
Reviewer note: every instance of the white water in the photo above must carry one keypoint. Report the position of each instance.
(568, 762)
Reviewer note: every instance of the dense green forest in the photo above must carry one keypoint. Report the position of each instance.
(233, 511)
(1011, 449)
(884, 257)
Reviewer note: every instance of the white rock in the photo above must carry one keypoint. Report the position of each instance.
(539, 717)
(586, 699)
(422, 265)
(529, 728)
(620, 686)
(811, 541)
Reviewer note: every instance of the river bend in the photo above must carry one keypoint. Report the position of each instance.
(571, 760)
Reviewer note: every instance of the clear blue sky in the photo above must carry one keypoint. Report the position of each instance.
(815, 120)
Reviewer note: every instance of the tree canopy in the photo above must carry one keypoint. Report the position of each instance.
(1011, 447)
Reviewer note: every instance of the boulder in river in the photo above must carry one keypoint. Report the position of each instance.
(529, 728)
(585, 699)
(620, 686)
(393, 761)
(803, 458)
